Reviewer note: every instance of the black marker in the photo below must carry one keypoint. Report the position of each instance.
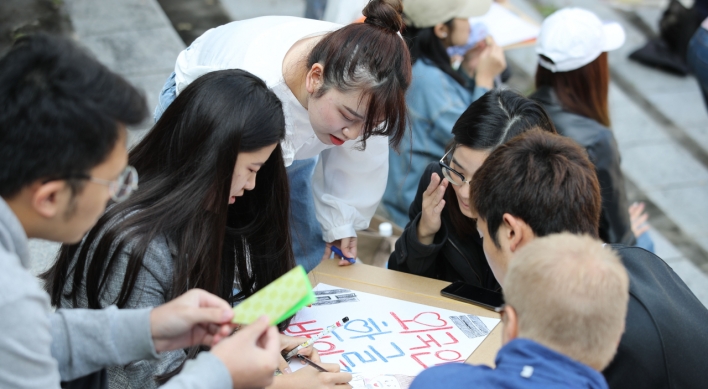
(309, 362)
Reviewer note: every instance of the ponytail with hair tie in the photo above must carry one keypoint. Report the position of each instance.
(385, 14)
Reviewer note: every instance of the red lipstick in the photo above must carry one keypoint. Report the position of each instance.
(336, 141)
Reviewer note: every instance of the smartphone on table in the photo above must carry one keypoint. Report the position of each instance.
(474, 294)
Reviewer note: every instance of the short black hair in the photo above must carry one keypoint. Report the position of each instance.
(546, 180)
(60, 112)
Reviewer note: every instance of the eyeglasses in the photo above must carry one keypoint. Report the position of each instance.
(119, 189)
(456, 178)
(122, 187)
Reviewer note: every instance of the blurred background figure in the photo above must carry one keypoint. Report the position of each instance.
(438, 93)
(572, 81)
(697, 58)
(314, 9)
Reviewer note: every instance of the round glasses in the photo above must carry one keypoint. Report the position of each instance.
(453, 176)
(123, 186)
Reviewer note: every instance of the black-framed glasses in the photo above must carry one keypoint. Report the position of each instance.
(456, 178)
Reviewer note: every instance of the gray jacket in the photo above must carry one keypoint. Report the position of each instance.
(38, 348)
(151, 289)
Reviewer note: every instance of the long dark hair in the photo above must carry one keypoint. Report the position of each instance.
(492, 120)
(371, 56)
(424, 45)
(583, 91)
(186, 164)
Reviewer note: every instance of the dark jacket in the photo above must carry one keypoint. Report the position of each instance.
(666, 335)
(522, 364)
(600, 143)
(450, 257)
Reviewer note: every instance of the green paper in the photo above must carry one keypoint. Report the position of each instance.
(279, 300)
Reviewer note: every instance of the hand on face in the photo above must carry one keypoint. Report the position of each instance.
(485, 62)
(433, 204)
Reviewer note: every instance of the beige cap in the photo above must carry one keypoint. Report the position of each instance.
(428, 13)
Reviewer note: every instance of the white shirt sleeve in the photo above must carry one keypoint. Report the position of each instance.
(347, 186)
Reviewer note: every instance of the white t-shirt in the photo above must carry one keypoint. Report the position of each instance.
(347, 183)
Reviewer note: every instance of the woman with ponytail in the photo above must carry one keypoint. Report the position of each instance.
(343, 95)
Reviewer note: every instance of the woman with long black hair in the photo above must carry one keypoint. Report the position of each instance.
(198, 219)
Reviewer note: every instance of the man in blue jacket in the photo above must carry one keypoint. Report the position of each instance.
(566, 300)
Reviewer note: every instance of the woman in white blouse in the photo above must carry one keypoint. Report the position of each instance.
(343, 94)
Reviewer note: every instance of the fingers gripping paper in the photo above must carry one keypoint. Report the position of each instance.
(279, 300)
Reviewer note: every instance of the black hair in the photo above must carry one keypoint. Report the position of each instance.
(498, 116)
(490, 121)
(61, 112)
(186, 164)
(544, 179)
(424, 45)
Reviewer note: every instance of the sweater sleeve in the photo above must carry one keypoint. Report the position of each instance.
(206, 371)
(25, 344)
(347, 185)
(152, 288)
(615, 225)
(84, 341)
(88, 340)
(410, 255)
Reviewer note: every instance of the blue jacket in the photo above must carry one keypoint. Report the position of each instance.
(435, 102)
(522, 363)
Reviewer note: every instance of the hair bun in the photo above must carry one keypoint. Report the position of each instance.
(385, 14)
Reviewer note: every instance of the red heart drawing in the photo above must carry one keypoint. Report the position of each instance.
(430, 319)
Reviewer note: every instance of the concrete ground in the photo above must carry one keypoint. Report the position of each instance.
(659, 120)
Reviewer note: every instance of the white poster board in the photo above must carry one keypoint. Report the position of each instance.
(385, 335)
(506, 27)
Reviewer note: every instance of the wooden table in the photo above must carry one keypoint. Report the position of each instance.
(408, 287)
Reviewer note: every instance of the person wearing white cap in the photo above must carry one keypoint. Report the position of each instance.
(572, 81)
(438, 94)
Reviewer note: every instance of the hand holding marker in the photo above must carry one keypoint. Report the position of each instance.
(339, 252)
(315, 338)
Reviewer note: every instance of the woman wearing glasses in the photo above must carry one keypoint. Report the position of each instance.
(198, 220)
(441, 239)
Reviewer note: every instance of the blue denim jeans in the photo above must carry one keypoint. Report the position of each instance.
(697, 60)
(644, 241)
(308, 245)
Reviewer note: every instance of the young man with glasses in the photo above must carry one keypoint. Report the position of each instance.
(63, 150)
(566, 301)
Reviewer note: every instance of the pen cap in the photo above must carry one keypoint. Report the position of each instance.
(385, 229)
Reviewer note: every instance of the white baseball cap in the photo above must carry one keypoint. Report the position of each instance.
(428, 13)
(574, 37)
